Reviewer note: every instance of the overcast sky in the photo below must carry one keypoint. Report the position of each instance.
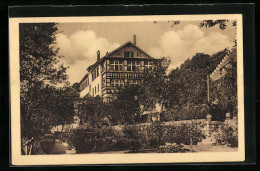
(79, 42)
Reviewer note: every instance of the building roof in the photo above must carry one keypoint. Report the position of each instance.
(216, 74)
(107, 56)
(83, 79)
(129, 42)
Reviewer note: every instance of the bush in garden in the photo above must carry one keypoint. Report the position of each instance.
(78, 139)
(155, 133)
(185, 113)
(171, 148)
(226, 135)
(192, 112)
(134, 138)
(190, 133)
(93, 140)
(187, 134)
(169, 115)
(170, 135)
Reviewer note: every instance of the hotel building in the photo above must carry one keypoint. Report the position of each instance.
(124, 65)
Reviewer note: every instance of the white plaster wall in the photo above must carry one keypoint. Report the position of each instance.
(93, 84)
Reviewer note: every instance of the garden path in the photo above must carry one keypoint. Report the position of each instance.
(58, 148)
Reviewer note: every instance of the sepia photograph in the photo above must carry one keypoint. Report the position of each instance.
(126, 89)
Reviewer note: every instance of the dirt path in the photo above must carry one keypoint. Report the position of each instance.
(58, 148)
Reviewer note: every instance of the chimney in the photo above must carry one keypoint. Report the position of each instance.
(134, 37)
(98, 55)
(107, 54)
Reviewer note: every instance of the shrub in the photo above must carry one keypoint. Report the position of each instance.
(169, 115)
(134, 138)
(171, 148)
(94, 140)
(185, 133)
(170, 135)
(226, 135)
(155, 133)
(185, 113)
(192, 112)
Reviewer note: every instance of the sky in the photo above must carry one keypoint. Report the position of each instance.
(79, 42)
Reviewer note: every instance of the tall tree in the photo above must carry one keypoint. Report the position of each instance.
(39, 67)
(189, 79)
(92, 111)
(156, 85)
(126, 105)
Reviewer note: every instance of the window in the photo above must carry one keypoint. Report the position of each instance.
(148, 65)
(102, 66)
(138, 54)
(138, 68)
(117, 83)
(84, 84)
(134, 81)
(121, 65)
(95, 73)
(133, 65)
(129, 66)
(108, 82)
(128, 54)
(112, 65)
(116, 65)
(104, 81)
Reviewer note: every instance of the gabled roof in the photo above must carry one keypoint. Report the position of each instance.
(107, 56)
(120, 47)
(129, 42)
(216, 74)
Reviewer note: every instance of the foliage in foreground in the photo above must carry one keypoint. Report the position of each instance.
(135, 138)
(172, 148)
(43, 104)
(226, 134)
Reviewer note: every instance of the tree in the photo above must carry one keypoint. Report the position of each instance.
(211, 23)
(192, 80)
(188, 84)
(39, 67)
(156, 85)
(92, 111)
(221, 23)
(126, 106)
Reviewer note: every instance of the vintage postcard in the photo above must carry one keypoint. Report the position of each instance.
(126, 89)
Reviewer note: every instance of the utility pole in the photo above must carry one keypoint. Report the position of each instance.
(208, 116)
(208, 87)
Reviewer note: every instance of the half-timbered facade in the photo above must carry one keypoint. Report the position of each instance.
(124, 65)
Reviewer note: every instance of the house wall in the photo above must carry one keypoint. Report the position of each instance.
(95, 84)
